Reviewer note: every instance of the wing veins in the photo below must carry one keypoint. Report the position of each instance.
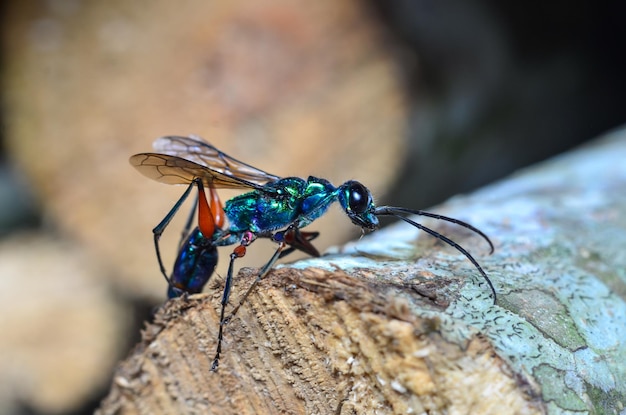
(200, 152)
(170, 169)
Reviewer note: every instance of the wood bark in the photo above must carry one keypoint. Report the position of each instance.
(399, 323)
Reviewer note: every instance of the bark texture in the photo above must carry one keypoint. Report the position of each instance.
(399, 323)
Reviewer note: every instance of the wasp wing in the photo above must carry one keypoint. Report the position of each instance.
(165, 168)
(197, 150)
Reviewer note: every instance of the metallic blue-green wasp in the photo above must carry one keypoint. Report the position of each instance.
(273, 207)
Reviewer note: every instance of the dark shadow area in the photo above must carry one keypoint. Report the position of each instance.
(497, 86)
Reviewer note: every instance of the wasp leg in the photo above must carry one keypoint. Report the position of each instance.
(160, 228)
(238, 252)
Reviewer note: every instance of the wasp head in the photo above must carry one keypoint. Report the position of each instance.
(358, 204)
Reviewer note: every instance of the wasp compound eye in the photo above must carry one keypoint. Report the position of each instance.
(359, 198)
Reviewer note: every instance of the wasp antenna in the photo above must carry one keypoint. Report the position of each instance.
(394, 211)
(389, 212)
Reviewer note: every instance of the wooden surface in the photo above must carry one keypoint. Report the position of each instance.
(309, 341)
(397, 323)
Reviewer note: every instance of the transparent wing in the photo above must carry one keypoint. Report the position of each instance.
(170, 169)
(196, 150)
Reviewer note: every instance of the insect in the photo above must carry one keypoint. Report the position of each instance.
(274, 208)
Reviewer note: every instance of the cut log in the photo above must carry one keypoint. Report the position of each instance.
(400, 323)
